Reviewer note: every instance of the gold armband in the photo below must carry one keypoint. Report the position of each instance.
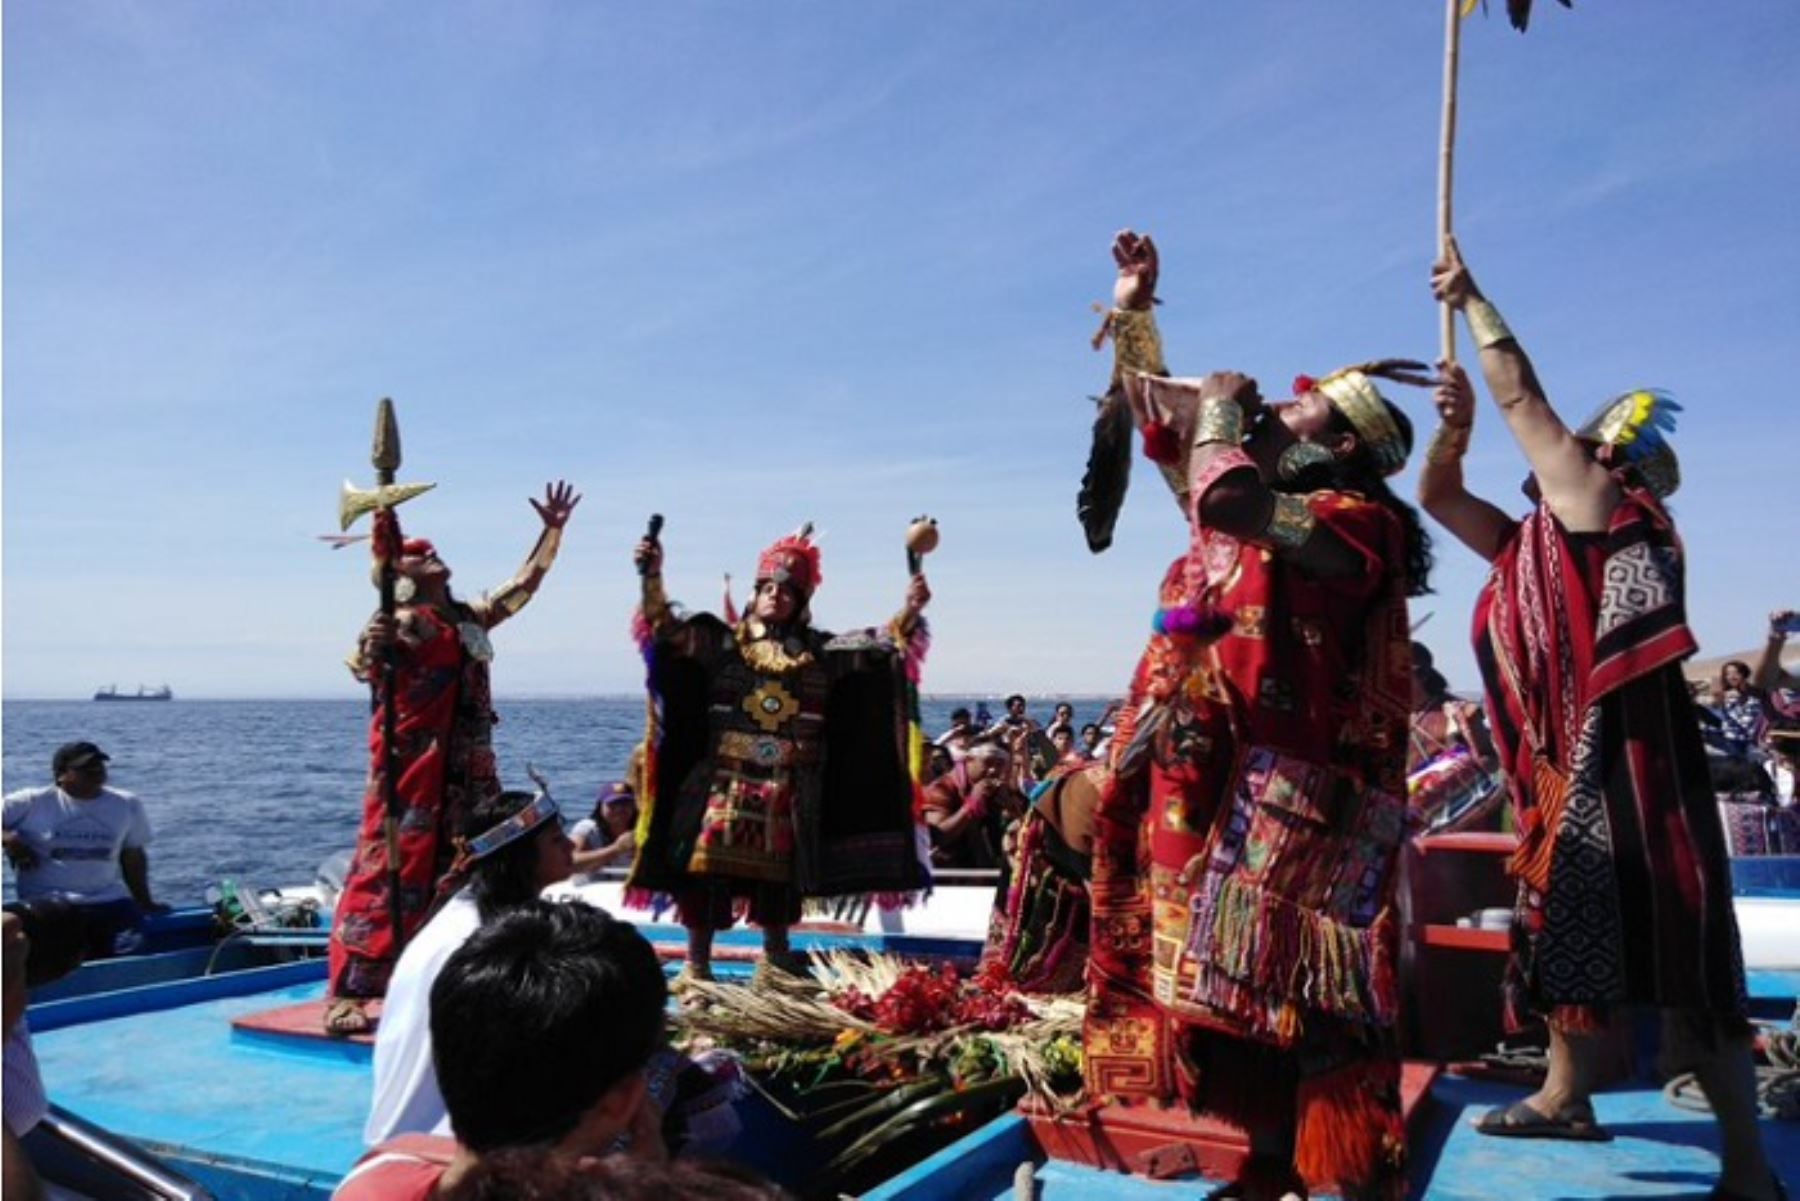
(1291, 523)
(1485, 323)
(1220, 420)
(517, 592)
(1448, 444)
(1137, 346)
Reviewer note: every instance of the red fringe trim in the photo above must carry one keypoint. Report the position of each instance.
(1579, 1019)
(1350, 1130)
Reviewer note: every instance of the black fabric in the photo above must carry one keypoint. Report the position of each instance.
(856, 831)
(680, 683)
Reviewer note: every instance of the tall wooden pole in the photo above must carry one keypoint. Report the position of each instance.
(1447, 163)
(385, 456)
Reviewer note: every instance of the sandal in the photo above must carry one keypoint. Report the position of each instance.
(1574, 1122)
(347, 1017)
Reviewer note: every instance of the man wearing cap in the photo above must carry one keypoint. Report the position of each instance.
(607, 837)
(1624, 884)
(84, 842)
(1250, 814)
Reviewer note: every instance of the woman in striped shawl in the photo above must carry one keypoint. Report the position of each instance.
(1624, 888)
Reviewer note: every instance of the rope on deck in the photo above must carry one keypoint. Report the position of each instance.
(1777, 1083)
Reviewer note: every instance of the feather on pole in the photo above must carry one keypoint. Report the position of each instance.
(1108, 473)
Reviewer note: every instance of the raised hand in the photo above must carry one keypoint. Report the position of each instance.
(1451, 282)
(1136, 256)
(559, 502)
(918, 595)
(1454, 396)
(648, 557)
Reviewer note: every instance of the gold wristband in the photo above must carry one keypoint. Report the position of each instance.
(1291, 523)
(1486, 325)
(1220, 420)
(1137, 346)
(1448, 444)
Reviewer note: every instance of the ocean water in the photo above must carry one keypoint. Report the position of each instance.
(262, 792)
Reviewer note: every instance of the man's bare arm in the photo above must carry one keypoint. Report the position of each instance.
(134, 865)
(1578, 490)
(1477, 524)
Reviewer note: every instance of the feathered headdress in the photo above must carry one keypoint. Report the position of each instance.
(794, 561)
(1632, 427)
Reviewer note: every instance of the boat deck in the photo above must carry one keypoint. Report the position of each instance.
(276, 1114)
(1657, 1151)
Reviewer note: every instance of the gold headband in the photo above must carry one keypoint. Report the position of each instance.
(1352, 394)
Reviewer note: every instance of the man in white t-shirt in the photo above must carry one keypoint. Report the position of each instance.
(83, 842)
(513, 847)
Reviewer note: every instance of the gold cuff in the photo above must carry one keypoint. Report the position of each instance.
(1485, 323)
(1221, 420)
(517, 592)
(1448, 444)
(1137, 346)
(1291, 523)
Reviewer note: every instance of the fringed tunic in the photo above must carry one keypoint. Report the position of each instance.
(1244, 932)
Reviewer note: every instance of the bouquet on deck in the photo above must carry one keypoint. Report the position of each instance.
(880, 1052)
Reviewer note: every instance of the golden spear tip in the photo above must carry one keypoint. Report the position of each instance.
(386, 453)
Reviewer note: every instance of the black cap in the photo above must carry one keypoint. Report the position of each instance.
(76, 754)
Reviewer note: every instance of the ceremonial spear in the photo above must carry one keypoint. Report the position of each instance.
(353, 503)
(1519, 13)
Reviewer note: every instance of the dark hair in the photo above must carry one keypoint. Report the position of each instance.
(1359, 474)
(539, 1174)
(509, 876)
(57, 936)
(962, 713)
(1090, 726)
(1432, 684)
(1737, 663)
(1014, 697)
(536, 1016)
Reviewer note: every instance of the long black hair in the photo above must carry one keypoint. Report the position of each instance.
(507, 878)
(1359, 473)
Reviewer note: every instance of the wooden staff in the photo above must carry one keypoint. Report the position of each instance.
(385, 456)
(1447, 163)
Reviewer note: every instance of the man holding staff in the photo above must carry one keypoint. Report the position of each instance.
(442, 757)
(1624, 886)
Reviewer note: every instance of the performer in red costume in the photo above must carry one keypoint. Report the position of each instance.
(1245, 845)
(443, 747)
(1624, 886)
(781, 758)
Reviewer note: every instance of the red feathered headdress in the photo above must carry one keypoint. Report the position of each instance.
(794, 561)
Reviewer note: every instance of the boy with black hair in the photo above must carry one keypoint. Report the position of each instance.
(514, 1016)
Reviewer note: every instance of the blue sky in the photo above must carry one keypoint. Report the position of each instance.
(752, 264)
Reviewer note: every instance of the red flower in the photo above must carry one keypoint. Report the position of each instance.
(1304, 384)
